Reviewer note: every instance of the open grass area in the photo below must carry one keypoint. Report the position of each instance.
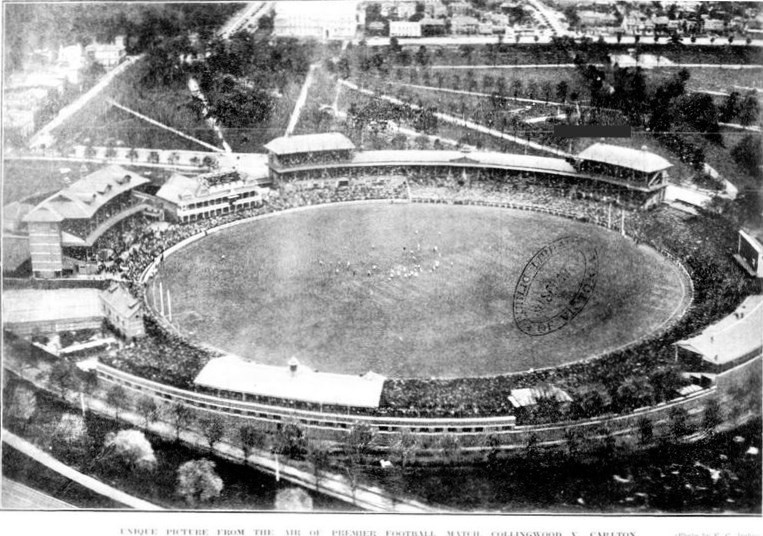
(340, 293)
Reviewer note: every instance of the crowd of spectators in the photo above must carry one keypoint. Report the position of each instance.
(597, 386)
(83, 227)
(305, 159)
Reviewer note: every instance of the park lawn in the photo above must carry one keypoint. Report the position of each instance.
(282, 287)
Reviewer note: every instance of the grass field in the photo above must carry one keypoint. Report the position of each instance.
(328, 285)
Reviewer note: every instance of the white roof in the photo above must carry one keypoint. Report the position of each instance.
(736, 335)
(529, 397)
(27, 305)
(513, 161)
(235, 374)
(626, 157)
(310, 143)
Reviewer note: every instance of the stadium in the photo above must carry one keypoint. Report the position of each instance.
(491, 297)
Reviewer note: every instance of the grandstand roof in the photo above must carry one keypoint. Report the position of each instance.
(514, 161)
(626, 157)
(310, 143)
(733, 337)
(176, 187)
(83, 198)
(232, 373)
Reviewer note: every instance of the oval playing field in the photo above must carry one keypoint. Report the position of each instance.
(420, 290)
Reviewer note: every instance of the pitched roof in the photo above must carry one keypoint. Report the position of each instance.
(733, 337)
(83, 198)
(121, 301)
(626, 157)
(235, 374)
(177, 187)
(310, 143)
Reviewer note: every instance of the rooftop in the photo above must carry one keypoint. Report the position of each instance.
(125, 304)
(733, 337)
(235, 374)
(625, 157)
(83, 198)
(310, 143)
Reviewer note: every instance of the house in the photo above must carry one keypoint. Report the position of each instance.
(313, 20)
(405, 10)
(376, 28)
(107, 54)
(714, 25)
(435, 9)
(464, 25)
(594, 18)
(432, 27)
(122, 311)
(404, 28)
(460, 9)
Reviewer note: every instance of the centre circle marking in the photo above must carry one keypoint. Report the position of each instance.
(555, 285)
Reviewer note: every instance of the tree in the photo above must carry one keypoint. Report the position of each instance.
(679, 422)
(405, 446)
(153, 157)
(212, 428)
(712, 417)
(251, 438)
(318, 457)
(749, 109)
(730, 108)
(748, 154)
(132, 154)
(197, 481)
(290, 441)
(561, 91)
(63, 377)
(117, 398)
(130, 448)
(450, 447)
(180, 416)
(147, 408)
(645, 430)
(359, 440)
(22, 406)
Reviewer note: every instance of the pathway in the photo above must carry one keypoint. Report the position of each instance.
(729, 66)
(245, 18)
(463, 122)
(44, 137)
(89, 482)
(165, 127)
(301, 99)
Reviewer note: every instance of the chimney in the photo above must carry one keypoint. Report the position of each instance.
(293, 365)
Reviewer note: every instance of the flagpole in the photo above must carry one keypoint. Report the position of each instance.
(161, 297)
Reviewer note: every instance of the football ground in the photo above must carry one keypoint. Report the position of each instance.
(410, 290)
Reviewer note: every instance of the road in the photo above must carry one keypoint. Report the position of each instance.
(301, 99)
(245, 19)
(553, 18)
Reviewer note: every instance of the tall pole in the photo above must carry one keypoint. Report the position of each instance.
(609, 217)
(622, 222)
(161, 297)
(153, 291)
(169, 305)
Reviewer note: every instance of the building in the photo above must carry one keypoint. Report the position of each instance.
(750, 254)
(594, 19)
(77, 216)
(464, 25)
(733, 340)
(714, 25)
(29, 311)
(633, 169)
(432, 27)
(334, 21)
(435, 9)
(122, 311)
(405, 10)
(107, 54)
(404, 28)
(460, 9)
(293, 152)
(186, 199)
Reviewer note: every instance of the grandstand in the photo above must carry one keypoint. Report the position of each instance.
(636, 179)
(188, 199)
(78, 215)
